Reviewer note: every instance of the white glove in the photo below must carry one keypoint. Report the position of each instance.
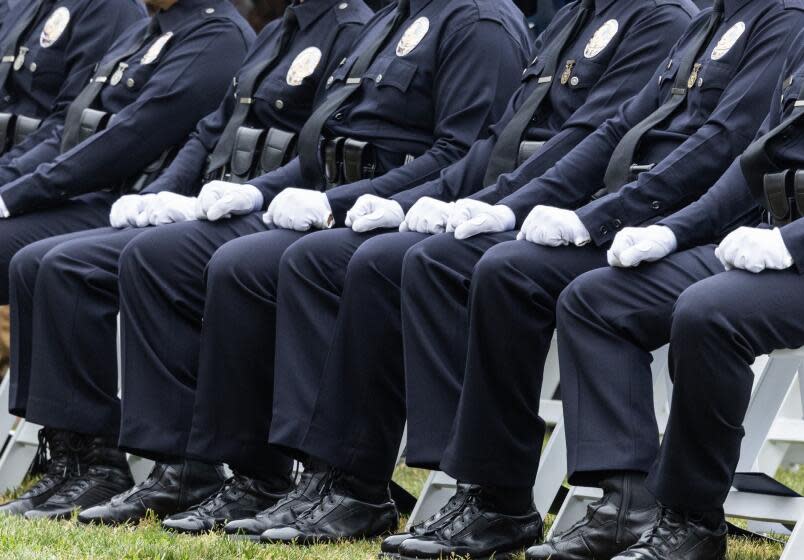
(300, 210)
(131, 210)
(372, 212)
(221, 199)
(754, 250)
(170, 208)
(635, 245)
(472, 217)
(427, 215)
(4, 213)
(547, 225)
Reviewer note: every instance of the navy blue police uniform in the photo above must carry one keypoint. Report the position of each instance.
(77, 273)
(49, 51)
(429, 101)
(717, 322)
(149, 78)
(357, 362)
(497, 296)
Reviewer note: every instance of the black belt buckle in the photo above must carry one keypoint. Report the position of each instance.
(333, 160)
(527, 149)
(358, 161)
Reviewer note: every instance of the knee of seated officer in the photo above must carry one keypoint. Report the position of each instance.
(587, 296)
(236, 265)
(25, 264)
(703, 311)
(426, 260)
(377, 258)
(507, 264)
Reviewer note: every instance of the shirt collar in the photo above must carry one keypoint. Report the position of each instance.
(308, 11)
(181, 11)
(417, 5)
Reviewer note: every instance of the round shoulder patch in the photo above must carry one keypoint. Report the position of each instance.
(303, 66)
(156, 48)
(54, 27)
(727, 41)
(413, 36)
(601, 39)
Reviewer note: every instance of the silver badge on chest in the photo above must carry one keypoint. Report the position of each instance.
(156, 48)
(413, 36)
(601, 39)
(54, 27)
(727, 41)
(303, 66)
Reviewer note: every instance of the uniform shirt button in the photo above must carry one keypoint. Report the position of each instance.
(618, 224)
(130, 82)
(279, 104)
(379, 78)
(343, 6)
(700, 82)
(210, 10)
(574, 81)
(604, 230)
(33, 66)
(655, 205)
(330, 80)
(338, 116)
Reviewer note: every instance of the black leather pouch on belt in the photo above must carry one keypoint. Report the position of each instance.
(526, 150)
(92, 122)
(359, 161)
(149, 174)
(784, 196)
(279, 148)
(244, 153)
(333, 160)
(24, 127)
(6, 130)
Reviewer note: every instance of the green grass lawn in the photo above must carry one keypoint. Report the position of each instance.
(43, 540)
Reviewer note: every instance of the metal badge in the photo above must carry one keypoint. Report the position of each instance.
(727, 41)
(693, 75)
(19, 61)
(54, 27)
(118, 73)
(303, 66)
(601, 39)
(565, 76)
(153, 52)
(413, 36)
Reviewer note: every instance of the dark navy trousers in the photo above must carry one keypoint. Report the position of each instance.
(19, 268)
(716, 322)
(478, 320)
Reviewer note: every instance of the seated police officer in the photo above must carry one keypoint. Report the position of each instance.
(49, 50)
(717, 321)
(153, 86)
(339, 387)
(70, 308)
(423, 81)
(496, 296)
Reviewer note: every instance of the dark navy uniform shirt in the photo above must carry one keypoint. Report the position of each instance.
(594, 77)
(56, 57)
(730, 202)
(330, 26)
(729, 94)
(429, 95)
(176, 78)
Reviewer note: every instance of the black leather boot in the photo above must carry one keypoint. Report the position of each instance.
(103, 472)
(477, 531)
(240, 497)
(611, 525)
(390, 546)
(680, 535)
(63, 448)
(349, 508)
(285, 511)
(169, 489)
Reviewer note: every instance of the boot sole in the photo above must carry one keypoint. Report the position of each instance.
(243, 537)
(495, 556)
(388, 556)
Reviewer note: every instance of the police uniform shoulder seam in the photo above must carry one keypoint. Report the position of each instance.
(793, 4)
(685, 5)
(347, 12)
(488, 10)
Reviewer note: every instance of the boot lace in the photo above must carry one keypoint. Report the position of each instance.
(464, 516)
(232, 490)
(443, 515)
(666, 533)
(63, 460)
